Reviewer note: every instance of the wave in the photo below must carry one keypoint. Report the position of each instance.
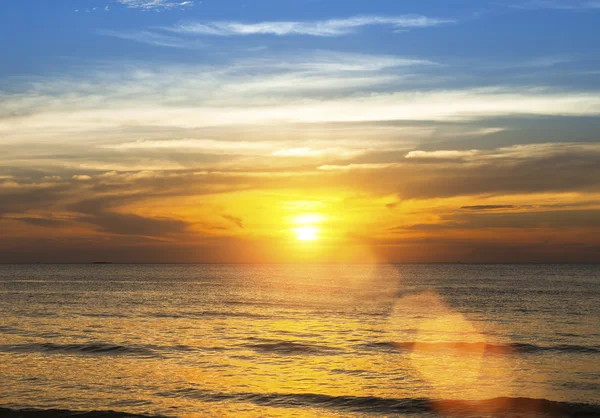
(59, 413)
(499, 407)
(104, 315)
(205, 314)
(104, 349)
(478, 347)
(291, 348)
(8, 330)
(180, 315)
(81, 349)
(496, 407)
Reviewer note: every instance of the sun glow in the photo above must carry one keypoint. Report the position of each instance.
(306, 229)
(308, 219)
(307, 233)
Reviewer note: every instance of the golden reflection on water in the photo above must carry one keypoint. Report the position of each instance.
(444, 360)
(457, 360)
(333, 330)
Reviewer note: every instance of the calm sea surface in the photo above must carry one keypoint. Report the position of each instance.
(297, 340)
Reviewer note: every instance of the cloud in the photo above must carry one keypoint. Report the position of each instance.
(234, 220)
(304, 152)
(316, 88)
(349, 167)
(193, 144)
(98, 212)
(44, 222)
(154, 39)
(20, 199)
(266, 147)
(440, 155)
(557, 4)
(334, 62)
(131, 224)
(154, 4)
(530, 219)
(297, 152)
(142, 206)
(154, 142)
(518, 131)
(197, 110)
(331, 27)
(240, 82)
(487, 207)
(520, 170)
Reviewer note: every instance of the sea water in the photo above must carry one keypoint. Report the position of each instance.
(301, 340)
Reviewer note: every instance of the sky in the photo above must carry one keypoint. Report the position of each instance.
(267, 131)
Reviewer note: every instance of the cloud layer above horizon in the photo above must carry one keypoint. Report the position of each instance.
(187, 135)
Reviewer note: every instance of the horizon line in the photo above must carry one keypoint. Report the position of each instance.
(308, 263)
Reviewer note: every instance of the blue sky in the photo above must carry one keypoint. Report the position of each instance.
(397, 113)
(53, 36)
(375, 47)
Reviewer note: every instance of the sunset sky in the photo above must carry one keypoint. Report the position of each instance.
(300, 130)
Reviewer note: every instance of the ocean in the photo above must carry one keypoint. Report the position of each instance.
(300, 340)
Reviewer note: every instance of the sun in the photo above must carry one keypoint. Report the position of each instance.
(307, 233)
(306, 226)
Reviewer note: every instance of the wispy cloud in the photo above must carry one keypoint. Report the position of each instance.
(331, 27)
(153, 38)
(557, 4)
(442, 155)
(466, 105)
(154, 4)
(540, 62)
(259, 81)
(209, 145)
(347, 88)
